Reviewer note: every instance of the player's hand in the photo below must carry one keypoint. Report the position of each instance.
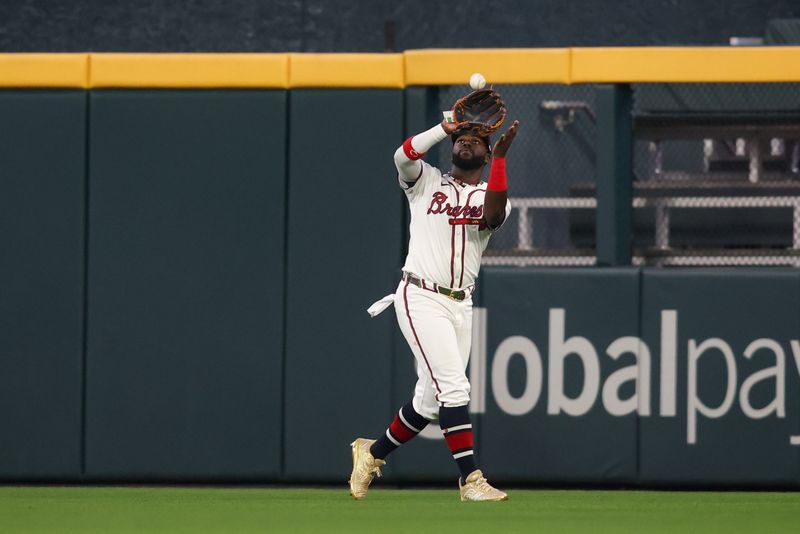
(504, 143)
(451, 127)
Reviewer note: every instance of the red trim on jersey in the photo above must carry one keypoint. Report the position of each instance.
(434, 289)
(414, 331)
(409, 150)
(469, 197)
(459, 440)
(452, 255)
(400, 431)
(498, 181)
(463, 246)
(453, 239)
(462, 222)
(481, 224)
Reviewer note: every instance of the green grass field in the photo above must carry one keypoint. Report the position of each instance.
(131, 509)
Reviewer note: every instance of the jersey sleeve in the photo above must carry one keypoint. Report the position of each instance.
(411, 170)
(426, 174)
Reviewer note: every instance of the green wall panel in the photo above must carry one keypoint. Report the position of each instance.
(344, 248)
(524, 434)
(740, 308)
(186, 284)
(42, 187)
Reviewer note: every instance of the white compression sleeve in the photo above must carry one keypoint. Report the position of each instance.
(410, 169)
(424, 141)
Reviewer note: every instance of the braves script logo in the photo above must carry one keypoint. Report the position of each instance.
(439, 205)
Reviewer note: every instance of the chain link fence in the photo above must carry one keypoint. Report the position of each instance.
(716, 174)
(552, 160)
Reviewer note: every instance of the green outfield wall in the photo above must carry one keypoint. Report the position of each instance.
(345, 227)
(43, 146)
(185, 294)
(185, 275)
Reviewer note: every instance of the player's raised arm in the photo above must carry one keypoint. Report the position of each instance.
(407, 156)
(494, 207)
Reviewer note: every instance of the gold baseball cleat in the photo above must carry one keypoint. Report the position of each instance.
(477, 488)
(365, 468)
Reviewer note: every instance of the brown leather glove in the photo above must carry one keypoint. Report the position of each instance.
(483, 111)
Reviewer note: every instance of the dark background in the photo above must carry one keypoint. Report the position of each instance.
(361, 25)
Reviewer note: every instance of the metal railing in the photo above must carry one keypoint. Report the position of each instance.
(526, 254)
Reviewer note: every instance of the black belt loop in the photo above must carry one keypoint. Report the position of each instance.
(456, 294)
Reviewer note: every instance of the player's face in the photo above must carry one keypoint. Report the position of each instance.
(470, 152)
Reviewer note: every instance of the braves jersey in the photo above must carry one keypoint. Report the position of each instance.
(448, 234)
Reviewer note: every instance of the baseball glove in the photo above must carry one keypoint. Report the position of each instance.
(483, 110)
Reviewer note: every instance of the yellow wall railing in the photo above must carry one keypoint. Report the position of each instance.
(413, 67)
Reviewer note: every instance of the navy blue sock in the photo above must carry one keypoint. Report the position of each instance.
(406, 424)
(457, 429)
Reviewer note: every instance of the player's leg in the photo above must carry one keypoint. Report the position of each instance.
(424, 400)
(409, 421)
(473, 485)
(404, 427)
(415, 415)
(369, 455)
(427, 322)
(454, 417)
(430, 325)
(464, 333)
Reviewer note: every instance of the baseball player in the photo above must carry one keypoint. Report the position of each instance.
(453, 216)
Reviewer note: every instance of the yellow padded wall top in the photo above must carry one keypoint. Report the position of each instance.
(413, 67)
(501, 65)
(689, 64)
(44, 70)
(346, 70)
(189, 70)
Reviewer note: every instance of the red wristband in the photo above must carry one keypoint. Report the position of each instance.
(497, 175)
(409, 150)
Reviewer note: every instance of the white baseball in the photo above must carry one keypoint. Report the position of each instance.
(477, 81)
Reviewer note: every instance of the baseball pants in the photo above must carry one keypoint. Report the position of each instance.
(439, 331)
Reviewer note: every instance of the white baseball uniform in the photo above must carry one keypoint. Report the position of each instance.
(447, 241)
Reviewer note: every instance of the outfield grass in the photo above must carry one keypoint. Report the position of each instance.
(107, 510)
